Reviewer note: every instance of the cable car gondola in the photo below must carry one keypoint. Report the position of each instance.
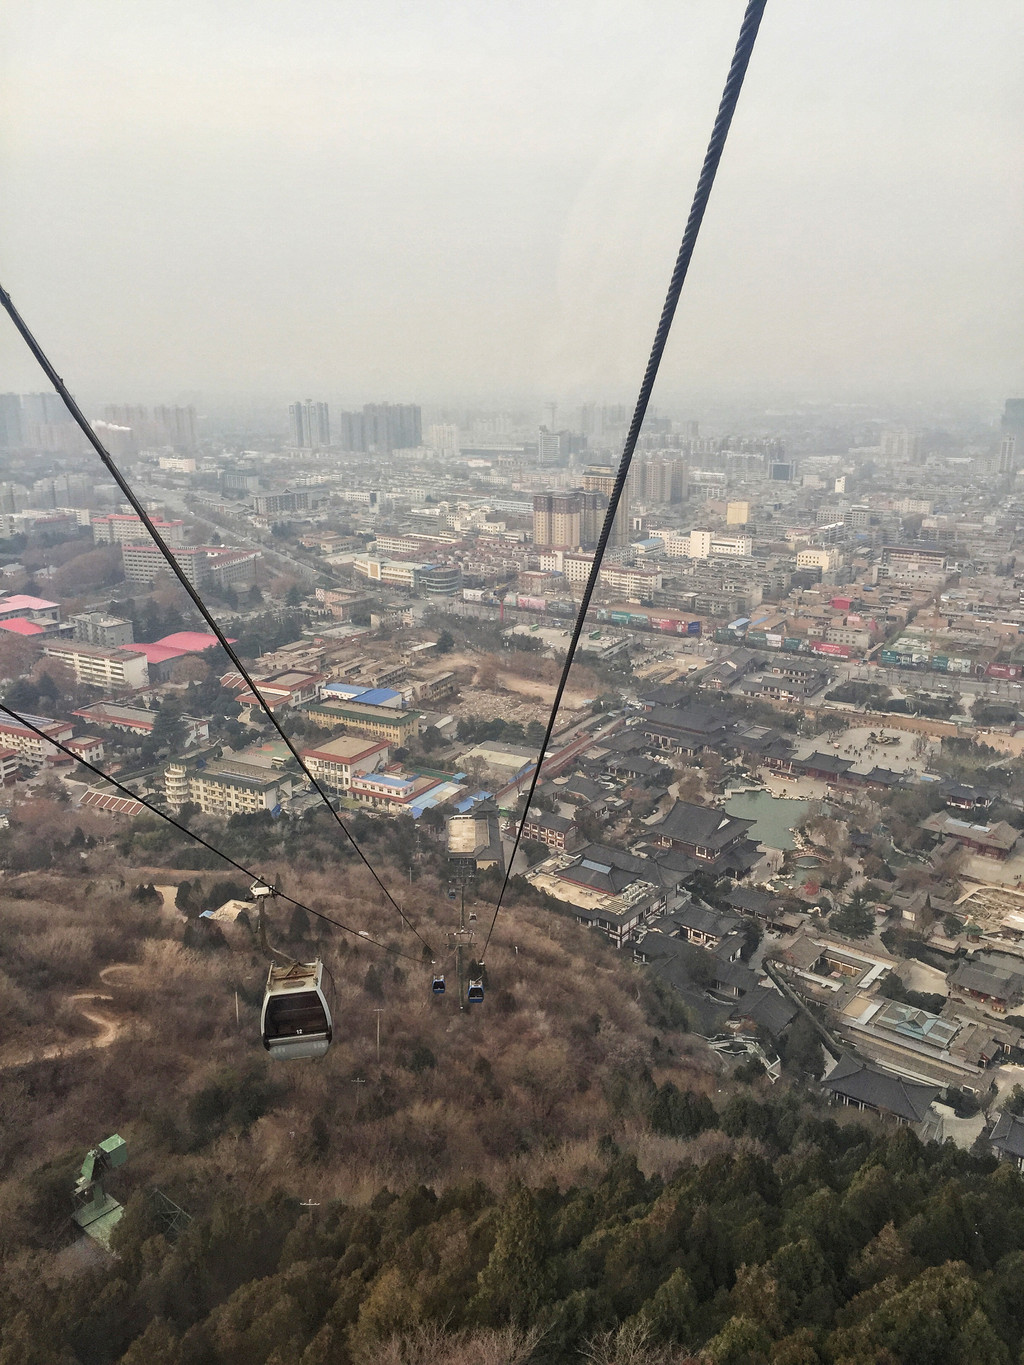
(296, 1020)
(475, 994)
(437, 985)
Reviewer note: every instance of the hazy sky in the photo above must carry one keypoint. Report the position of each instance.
(415, 201)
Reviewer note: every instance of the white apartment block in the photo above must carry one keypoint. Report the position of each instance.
(632, 582)
(575, 566)
(125, 528)
(107, 668)
(704, 544)
(28, 744)
(219, 792)
(818, 558)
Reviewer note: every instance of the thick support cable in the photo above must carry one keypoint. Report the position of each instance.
(184, 829)
(716, 145)
(197, 601)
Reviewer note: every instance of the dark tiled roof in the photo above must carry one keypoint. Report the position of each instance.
(702, 825)
(753, 902)
(1008, 1135)
(861, 1081)
(824, 763)
(705, 920)
(768, 1008)
(984, 979)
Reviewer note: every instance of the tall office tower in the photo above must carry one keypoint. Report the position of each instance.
(557, 520)
(11, 433)
(549, 446)
(601, 479)
(444, 437)
(178, 426)
(311, 425)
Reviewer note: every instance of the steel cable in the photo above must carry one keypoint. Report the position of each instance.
(716, 145)
(129, 493)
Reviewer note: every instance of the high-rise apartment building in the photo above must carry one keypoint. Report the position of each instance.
(11, 430)
(1012, 432)
(444, 437)
(310, 425)
(178, 426)
(662, 479)
(601, 479)
(900, 443)
(557, 520)
(381, 428)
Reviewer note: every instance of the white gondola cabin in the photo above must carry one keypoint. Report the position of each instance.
(296, 1023)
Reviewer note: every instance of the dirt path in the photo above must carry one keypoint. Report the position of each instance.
(109, 1029)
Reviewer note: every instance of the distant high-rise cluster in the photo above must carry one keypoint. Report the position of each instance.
(311, 425)
(166, 426)
(37, 421)
(381, 428)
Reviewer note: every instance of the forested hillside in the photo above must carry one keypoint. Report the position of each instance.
(782, 1237)
(564, 1174)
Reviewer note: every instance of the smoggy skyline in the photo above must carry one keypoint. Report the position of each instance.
(453, 200)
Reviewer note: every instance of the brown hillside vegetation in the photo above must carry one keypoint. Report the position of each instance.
(529, 1083)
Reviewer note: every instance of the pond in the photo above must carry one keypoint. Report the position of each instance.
(773, 816)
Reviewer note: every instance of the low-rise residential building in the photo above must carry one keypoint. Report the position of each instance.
(398, 728)
(290, 687)
(125, 528)
(28, 744)
(10, 765)
(998, 988)
(990, 841)
(89, 748)
(223, 788)
(109, 668)
(99, 628)
(23, 606)
(396, 792)
(337, 761)
(138, 720)
(342, 603)
(1007, 1139)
